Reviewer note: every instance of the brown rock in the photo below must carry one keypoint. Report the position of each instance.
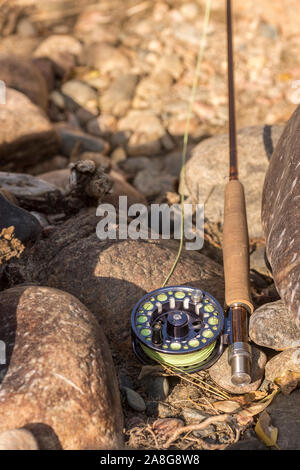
(80, 94)
(220, 372)
(60, 178)
(55, 163)
(281, 364)
(22, 75)
(26, 135)
(117, 99)
(61, 49)
(59, 381)
(14, 42)
(96, 25)
(73, 141)
(273, 326)
(207, 172)
(9, 196)
(46, 68)
(122, 188)
(281, 216)
(32, 193)
(153, 183)
(151, 89)
(98, 158)
(102, 126)
(110, 276)
(147, 132)
(18, 439)
(106, 58)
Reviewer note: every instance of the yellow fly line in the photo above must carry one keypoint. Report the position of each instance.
(180, 360)
(186, 133)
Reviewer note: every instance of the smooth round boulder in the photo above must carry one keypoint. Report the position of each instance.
(26, 135)
(220, 372)
(273, 326)
(208, 168)
(58, 380)
(110, 276)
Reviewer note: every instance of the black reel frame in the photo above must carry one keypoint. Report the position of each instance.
(151, 311)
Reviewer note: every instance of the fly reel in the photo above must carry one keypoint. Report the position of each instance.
(180, 327)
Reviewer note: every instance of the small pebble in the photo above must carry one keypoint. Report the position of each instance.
(193, 415)
(134, 400)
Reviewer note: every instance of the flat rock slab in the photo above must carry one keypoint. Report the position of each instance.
(58, 381)
(110, 276)
(220, 372)
(273, 326)
(207, 171)
(26, 135)
(281, 215)
(32, 193)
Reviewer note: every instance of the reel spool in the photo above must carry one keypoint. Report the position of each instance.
(180, 327)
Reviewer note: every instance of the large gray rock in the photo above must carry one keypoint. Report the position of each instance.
(110, 276)
(26, 135)
(58, 381)
(281, 215)
(208, 168)
(273, 326)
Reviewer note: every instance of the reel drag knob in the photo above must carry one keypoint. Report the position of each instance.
(177, 324)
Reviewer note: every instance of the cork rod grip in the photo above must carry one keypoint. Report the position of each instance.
(236, 246)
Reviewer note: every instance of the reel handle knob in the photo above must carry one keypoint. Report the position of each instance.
(157, 338)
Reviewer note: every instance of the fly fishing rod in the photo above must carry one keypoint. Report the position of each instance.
(185, 328)
(236, 244)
